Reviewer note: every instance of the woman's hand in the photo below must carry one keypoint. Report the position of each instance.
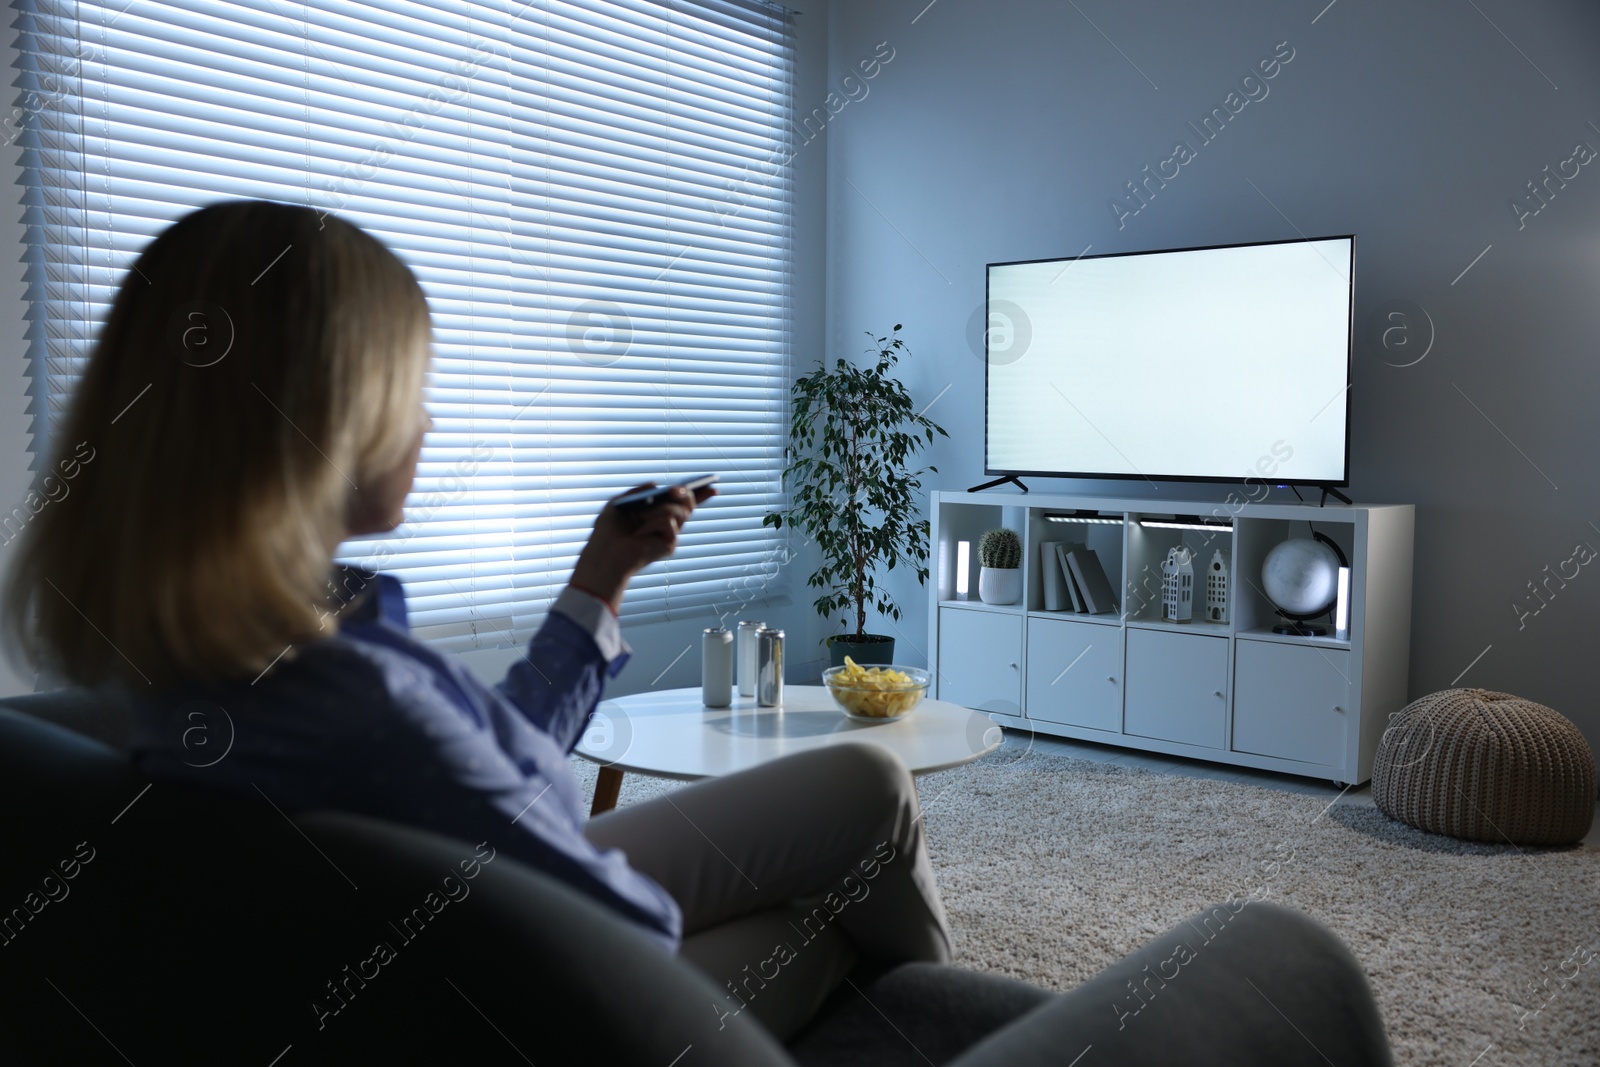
(624, 543)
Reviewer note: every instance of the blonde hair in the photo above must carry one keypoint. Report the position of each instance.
(259, 362)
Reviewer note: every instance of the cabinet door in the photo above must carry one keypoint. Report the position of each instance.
(1291, 701)
(980, 659)
(1075, 674)
(1177, 687)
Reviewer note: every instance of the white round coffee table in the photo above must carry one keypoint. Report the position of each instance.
(671, 734)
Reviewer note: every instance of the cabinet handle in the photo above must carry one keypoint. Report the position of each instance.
(1218, 693)
(1338, 709)
(1013, 666)
(1111, 678)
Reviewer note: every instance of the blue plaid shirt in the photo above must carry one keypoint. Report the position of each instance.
(374, 722)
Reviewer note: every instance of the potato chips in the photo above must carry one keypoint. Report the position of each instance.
(874, 692)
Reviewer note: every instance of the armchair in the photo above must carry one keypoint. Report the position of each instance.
(147, 922)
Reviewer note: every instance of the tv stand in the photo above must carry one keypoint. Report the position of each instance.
(1326, 490)
(999, 482)
(1231, 690)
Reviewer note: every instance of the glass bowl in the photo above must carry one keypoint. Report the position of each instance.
(869, 703)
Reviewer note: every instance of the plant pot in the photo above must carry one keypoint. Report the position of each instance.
(999, 585)
(865, 649)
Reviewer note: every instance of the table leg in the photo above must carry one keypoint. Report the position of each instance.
(606, 789)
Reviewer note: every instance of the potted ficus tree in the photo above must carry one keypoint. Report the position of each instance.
(853, 434)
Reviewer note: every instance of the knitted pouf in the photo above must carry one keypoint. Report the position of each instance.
(1486, 766)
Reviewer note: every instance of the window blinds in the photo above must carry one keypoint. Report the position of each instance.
(594, 195)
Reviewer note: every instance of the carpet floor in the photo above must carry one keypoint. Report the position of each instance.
(1053, 867)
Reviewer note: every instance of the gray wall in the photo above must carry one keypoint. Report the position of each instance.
(1002, 130)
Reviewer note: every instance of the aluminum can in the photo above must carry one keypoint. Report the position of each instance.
(746, 652)
(769, 668)
(716, 667)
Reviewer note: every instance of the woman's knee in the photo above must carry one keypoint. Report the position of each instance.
(874, 770)
(874, 760)
(1282, 931)
(851, 769)
(1310, 970)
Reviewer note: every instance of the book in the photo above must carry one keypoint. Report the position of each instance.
(1073, 592)
(1085, 568)
(1053, 578)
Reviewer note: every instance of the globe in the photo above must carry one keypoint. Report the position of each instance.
(1301, 577)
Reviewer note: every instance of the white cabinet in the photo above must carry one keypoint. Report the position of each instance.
(1292, 702)
(1075, 674)
(980, 660)
(1177, 687)
(1227, 689)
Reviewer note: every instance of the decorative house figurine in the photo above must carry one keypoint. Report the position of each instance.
(1217, 588)
(1177, 585)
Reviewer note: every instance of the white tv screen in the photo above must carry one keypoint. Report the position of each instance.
(1214, 364)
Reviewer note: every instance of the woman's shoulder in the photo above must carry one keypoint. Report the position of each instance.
(338, 667)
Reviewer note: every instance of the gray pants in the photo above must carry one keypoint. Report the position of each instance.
(789, 873)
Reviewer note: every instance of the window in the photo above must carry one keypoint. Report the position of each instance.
(594, 195)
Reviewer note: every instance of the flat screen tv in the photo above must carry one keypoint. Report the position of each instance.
(1190, 364)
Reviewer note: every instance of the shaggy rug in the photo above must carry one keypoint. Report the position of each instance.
(1053, 867)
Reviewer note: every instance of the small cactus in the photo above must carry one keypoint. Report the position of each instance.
(1000, 548)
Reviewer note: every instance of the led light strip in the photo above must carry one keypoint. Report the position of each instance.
(1162, 524)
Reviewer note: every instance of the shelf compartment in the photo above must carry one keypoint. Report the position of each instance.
(1292, 703)
(1147, 552)
(1253, 611)
(1177, 687)
(965, 521)
(980, 659)
(1074, 674)
(1105, 539)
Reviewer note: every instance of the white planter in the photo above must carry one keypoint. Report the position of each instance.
(999, 585)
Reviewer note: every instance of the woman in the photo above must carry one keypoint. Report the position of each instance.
(254, 400)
